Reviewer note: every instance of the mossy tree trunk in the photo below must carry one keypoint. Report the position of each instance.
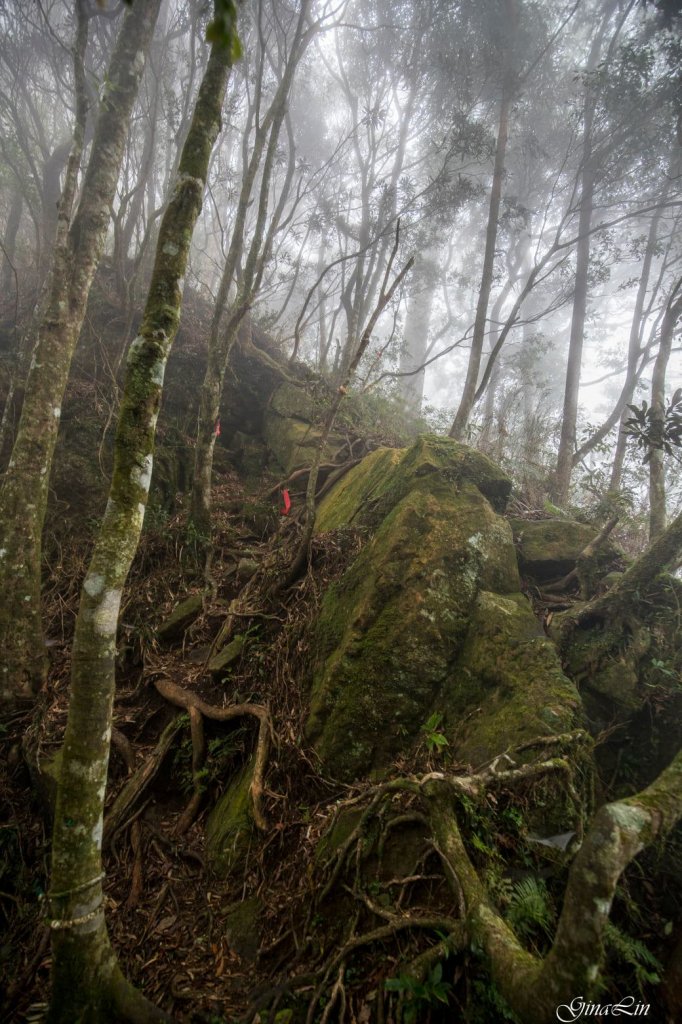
(535, 987)
(657, 498)
(78, 247)
(87, 984)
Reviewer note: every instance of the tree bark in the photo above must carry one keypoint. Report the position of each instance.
(657, 498)
(87, 984)
(10, 244)
(23, 498)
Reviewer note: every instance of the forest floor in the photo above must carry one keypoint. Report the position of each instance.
(167, 913)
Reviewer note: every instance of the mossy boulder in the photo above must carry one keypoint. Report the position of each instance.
(429, 618)
(293, 442)
(230, 827)
(291, 425)
(221, 660)
(510, 673)
(549, 549)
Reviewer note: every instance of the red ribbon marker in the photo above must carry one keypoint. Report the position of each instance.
(287, 503)
(217, 428)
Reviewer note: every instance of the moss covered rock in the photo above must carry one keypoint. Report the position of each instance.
(399, 634)
(221, 661)
(291, 425)
(510, 673)
(230, 827)
(549, 548)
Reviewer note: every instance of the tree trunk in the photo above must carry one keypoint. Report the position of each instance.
(23, 498)
(10, 245)
(466, 403)
(564, 466)
(221, 338)
(657, 454)
(575, 345)
(417, 322)
(87, 984)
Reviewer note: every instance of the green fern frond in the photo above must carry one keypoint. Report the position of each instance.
(530, 908)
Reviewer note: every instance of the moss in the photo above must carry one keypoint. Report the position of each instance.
(183, 615)
(549, 548)
(508, 685)
(229, 828)
(352, 493)
(435, 465)
(243, 926)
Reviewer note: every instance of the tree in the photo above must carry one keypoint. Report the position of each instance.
(224, 326)
(79, 243)
(507, 87)
(87, 983)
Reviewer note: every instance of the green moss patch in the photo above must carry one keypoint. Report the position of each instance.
(230, 827)
(508, 685)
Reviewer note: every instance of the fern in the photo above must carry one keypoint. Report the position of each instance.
(635, 954)
(530, 909)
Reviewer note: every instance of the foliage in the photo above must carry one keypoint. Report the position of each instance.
(530, 910)
(433, 737)
(416, 996)
(653, 435)
(635, 954)
(488, 1005)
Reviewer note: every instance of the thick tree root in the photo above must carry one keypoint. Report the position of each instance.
(182, 698)
(533, 986)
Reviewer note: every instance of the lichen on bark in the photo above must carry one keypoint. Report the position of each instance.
(84, 966)
(23, 496)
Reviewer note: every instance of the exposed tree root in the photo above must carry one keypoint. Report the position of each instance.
(182, 698)
(532, 985)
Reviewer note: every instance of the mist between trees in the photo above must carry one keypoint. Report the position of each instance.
(364, 222)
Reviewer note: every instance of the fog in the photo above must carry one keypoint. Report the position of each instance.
(530, 152)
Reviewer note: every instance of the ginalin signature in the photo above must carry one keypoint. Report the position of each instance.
(577, 1008)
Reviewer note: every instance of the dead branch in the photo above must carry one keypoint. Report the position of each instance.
(138, 783)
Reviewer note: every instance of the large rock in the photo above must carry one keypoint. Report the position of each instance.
(429, 617)
(291, 426)
(549, 548)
